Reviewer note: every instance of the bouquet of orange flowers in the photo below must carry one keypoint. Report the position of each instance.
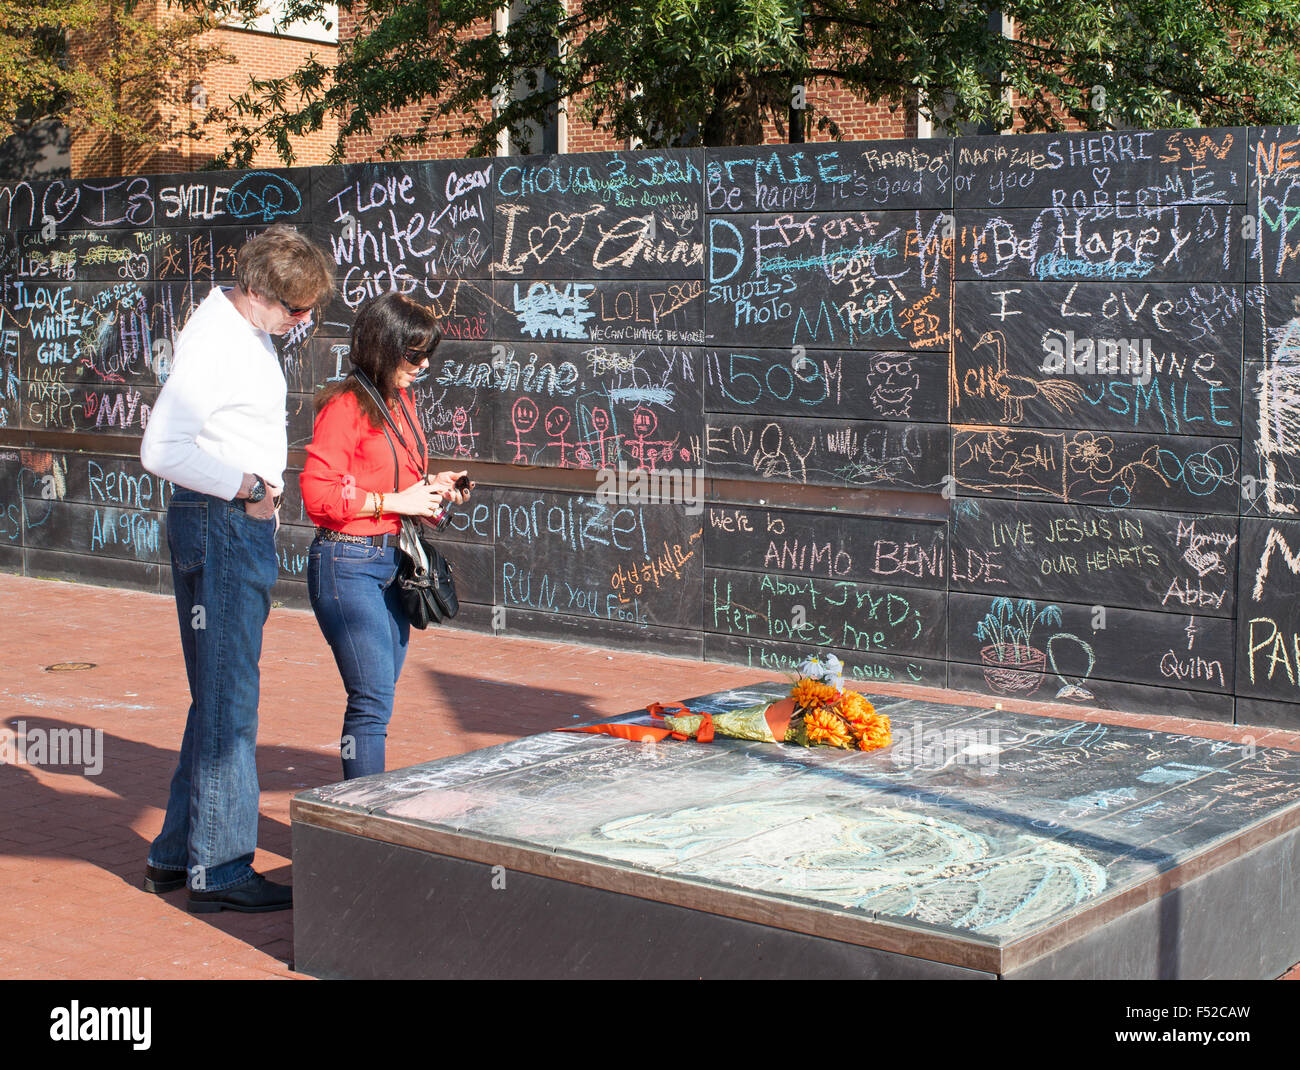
(818, 710)
(830, 714)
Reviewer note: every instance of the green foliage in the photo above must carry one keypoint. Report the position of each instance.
(101, 65)
(33, 44)
(679, 72)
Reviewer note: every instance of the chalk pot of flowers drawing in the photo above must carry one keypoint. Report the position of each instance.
(1012, 664)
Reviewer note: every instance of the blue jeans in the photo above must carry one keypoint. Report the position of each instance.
(354, 594)
(223, 568)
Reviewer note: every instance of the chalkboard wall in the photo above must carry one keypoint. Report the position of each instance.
(1018, 415)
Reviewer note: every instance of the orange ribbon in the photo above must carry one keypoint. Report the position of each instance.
(638, 733)
(704, 734)
(641, 733)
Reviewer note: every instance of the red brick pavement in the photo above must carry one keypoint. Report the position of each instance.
(72, 847)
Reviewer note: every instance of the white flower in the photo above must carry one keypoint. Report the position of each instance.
(828, 670)
(812, 668)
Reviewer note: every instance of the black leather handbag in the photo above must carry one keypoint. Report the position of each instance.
(428, 587)
(425, 580)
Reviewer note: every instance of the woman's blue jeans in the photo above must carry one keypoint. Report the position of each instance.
(354, 593)
(223, 568)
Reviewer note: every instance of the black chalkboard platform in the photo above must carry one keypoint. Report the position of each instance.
(982, 843)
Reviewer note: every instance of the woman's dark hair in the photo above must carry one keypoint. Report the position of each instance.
(387, 330)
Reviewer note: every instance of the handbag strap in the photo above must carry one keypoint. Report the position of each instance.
(369, 388)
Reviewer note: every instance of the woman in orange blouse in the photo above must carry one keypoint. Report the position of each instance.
(358, 481)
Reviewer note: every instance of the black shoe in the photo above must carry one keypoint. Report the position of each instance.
(160, 881)
(257, 895)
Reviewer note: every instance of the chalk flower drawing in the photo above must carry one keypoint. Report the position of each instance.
(1012, 665)
(1090, 455)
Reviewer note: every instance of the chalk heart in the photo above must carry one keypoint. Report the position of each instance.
(560, 232)
(1204, 563)
(1101, 175)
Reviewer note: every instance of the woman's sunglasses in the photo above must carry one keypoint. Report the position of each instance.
(417, 355)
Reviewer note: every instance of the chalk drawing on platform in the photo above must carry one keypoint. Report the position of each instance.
(884, 860)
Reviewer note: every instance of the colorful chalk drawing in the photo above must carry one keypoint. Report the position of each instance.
(1278, 442)
(1012, 666)
(1014, 390)
(1086, 467)
(883, 860)
(1278, 380)
(264, 196)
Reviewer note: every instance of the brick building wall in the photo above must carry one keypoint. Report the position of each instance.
(858, 121)
(266, 55)
(254, 54)
(362, 147)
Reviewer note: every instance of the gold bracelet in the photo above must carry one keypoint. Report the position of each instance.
(379, 505)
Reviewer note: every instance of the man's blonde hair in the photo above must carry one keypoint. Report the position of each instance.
(282, 264)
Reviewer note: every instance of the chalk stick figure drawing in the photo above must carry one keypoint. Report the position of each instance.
(599, 446)
(1279, 418)
(1014, 390)
(557, 424)
(523, 418)
(463, 433)
(647, 451)
(600, 423)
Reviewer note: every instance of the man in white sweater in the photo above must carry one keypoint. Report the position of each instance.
(218, 431)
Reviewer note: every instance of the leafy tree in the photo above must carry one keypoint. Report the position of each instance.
(680, 72)
(112, 66)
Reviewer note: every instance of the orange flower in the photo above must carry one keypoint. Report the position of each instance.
(854, 708)
(874, 733)
(825, 726)
(808, 694)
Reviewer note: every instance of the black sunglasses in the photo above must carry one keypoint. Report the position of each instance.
(292, 310)
(417, 355)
